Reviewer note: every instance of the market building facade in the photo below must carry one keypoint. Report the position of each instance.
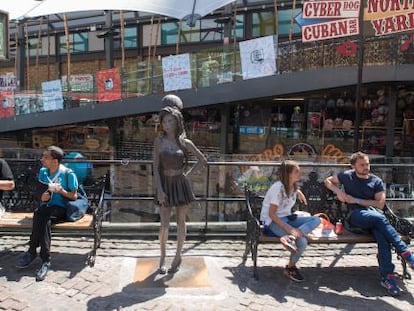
(260, 80)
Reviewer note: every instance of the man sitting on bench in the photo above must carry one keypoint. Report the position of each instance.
(57, 183)
(364, 193)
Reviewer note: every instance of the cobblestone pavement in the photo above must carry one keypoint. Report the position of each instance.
(338, 277)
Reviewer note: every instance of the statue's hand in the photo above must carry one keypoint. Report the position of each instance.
(161, 197)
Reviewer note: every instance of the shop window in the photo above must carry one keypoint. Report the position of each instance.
(207, 29)
(78, 43)
(130, 38)
(35, 47)
(169, 33)
(264, 23)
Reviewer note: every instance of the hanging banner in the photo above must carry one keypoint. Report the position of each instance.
(25, 103)
(8, 82)
(322, 20)
(108, 85)
(7, 104)
(52, 95)
(176, 72)
(78, 83)
(385, 17)
(258, 57)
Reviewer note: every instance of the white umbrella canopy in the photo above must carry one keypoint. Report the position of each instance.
(180, 9)
(17, 9)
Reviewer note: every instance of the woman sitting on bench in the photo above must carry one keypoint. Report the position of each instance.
(278, 219)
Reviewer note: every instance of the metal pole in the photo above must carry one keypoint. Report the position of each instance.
(109, 41)
(21, 56)
(359, 76)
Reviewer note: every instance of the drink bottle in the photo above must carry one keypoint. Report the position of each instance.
(339, 227)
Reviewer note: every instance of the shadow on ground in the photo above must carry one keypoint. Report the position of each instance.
(73, 263)
(345, 288)
(131, 294)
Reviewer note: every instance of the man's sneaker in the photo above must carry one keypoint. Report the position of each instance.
(390, 285)
(289, 242)
(25, 260)
(293, 274)
(41, 274)
(409, 258)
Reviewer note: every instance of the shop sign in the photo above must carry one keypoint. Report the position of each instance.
(385, 17)
(252, 130)
(330, 30)
(324, 20)
(330, 9)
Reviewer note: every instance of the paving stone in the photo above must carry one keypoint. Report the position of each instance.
(333, 278)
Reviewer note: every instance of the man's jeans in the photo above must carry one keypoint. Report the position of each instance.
(305, 224)
(385, 235)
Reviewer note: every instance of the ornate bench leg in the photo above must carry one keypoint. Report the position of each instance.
(255, 244)
(247, 248)
(97, 233)
(406, 274)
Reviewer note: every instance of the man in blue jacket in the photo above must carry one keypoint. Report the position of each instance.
(57, 184)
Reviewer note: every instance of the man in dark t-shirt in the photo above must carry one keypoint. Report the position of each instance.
(364, 193)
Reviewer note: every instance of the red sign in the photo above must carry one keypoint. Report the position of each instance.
(347, 49)
(6, 104)
(108, 84)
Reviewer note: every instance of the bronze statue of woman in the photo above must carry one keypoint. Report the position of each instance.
(173, 188)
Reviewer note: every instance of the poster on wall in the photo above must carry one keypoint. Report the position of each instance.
(7, 104)
(108, 85)
(4, 35)
(8, 81)
(27, 103)
(258, 57)
(78, 83)
(383, 18)
(176, 72)
(52, 95)
(322, 20)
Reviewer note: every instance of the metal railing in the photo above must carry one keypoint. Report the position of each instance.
(218, 187)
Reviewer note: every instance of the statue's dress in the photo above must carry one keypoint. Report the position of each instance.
(174, 183)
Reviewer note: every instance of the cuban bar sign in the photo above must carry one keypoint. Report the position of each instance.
(330, 19)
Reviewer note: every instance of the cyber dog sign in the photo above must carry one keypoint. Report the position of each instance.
(330, 19)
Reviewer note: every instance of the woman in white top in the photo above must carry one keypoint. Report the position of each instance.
(278, 219)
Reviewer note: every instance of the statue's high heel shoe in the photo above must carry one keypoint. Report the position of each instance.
(175, 266)
(162, 270)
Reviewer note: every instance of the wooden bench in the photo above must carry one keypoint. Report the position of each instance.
(319, 200)
(17, 222)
